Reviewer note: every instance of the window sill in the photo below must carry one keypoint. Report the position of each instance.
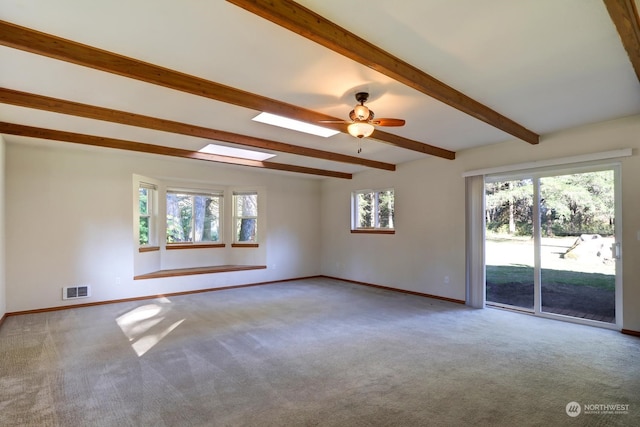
(197, 270)
(171, 247)
(373, 231)
(148, 249)
(245, 245)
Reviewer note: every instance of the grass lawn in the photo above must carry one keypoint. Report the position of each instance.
(508, 274)
(509, 260)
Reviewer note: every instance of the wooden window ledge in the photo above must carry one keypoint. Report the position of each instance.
(197, 270)
(175, 246)
(373, 231)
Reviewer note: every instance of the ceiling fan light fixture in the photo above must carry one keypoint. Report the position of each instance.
(360, 129)
(362, 123)
(361, 112)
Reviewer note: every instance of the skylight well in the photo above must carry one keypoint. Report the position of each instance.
(222, 150)
(287, 123)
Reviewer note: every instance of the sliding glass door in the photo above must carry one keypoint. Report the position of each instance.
(509, 245)
(551, 244)
(578, 245)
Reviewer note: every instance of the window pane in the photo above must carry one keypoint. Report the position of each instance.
(206, 218)
(144, 230)
(246, 205)
(143, 197)
(179, 218)
(145, 222)
(365, 210)
(246, 229)
(385, 209)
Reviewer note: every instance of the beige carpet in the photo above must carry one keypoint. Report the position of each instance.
(315, 352)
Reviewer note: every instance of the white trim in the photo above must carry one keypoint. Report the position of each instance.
(151, 185)
(617, 176)
(554, 316)
(579, 320)
(235, 217)
(375, 210)
(147, 185)
(625, 152)
(195, 192)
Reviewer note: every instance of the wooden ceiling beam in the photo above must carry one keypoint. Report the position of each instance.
(29, 40)
(291, 15)
(56, 105)
(624, 15)
(120, 144)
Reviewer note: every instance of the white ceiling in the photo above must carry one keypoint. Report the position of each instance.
(549, 65)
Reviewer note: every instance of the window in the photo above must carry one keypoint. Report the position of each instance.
(245, 216)
(373, 210)
(146, 214)
(178, 224)
(193, 217)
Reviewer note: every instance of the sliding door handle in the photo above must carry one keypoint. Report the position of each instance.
(616, 251)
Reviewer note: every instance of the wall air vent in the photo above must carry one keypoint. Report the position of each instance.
(73, 292)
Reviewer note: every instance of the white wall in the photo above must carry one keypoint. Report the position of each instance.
(429, 220)
(69, 216)
(69, 220)
(3, 287)
(429, 243)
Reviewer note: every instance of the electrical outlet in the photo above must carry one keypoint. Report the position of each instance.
(446, 279)
(118, 281)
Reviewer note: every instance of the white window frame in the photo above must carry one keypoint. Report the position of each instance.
(194, 193)
(236, 217)
(355, 213)
(152, 211)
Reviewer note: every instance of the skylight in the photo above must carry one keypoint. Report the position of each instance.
(284, 122)
(222, 150)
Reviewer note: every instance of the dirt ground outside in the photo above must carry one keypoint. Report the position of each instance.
(576, 281)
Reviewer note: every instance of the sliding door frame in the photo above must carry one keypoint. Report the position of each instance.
(535, 175)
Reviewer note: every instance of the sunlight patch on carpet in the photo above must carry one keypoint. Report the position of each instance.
(145, 326)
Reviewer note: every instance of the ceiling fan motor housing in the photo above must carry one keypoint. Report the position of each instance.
(362, 97)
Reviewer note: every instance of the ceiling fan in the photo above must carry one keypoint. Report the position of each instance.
(362, 120)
